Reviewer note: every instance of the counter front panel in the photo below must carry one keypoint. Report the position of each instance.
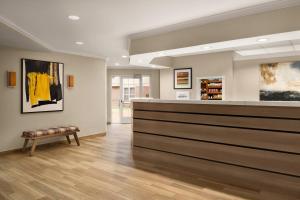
(259, 140)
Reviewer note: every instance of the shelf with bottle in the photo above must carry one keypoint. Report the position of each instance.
(216, 87)
(215, 81)
(211, 89)
(214, 91)
(215, 97)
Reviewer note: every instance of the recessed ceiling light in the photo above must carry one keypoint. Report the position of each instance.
(74, 17)
(117, 64)
(207, 47)
(79, 43)
(262, 39)
(124, 56)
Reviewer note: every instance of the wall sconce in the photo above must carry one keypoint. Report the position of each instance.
(71, 81)
(11, 79)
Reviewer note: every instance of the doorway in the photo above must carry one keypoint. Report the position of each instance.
(124, 89)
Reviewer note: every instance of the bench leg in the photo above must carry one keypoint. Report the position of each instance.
(25, 144)
(76, 139)
(68, 138)
(33, 147)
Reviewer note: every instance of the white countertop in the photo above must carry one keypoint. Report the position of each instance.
(248, 103)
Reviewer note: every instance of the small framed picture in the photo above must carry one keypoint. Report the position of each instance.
(183, 78)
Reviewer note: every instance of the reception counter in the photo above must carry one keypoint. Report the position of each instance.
(253, 145)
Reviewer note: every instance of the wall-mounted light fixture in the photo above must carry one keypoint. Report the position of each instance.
(11, 79)
(71, 81)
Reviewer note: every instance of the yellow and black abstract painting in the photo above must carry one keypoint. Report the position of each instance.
(42, 86)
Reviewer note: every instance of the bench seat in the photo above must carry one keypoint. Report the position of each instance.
(50, 131)
(40, 134)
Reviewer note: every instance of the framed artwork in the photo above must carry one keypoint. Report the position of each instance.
(182, 95)
(42, 86)
(183, 78)
(280, 81)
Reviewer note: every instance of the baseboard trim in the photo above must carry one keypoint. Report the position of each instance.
(93, 135)
(56, 142)
(10, 151)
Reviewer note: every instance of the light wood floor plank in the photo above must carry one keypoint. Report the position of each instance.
(101, 168)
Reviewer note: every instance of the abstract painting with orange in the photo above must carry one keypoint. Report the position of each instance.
(183, 78)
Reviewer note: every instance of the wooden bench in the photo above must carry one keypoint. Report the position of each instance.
(41, 134)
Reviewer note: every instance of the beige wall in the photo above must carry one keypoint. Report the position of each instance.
(241, 77)
(84, 105)
(278, 21)
(155, 83)
(247, 76)
(216, 64)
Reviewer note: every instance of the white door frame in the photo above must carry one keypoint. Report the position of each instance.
(121, 100)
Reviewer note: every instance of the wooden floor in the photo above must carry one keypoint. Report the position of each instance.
(101, 168)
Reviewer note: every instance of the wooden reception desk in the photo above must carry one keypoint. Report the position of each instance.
(252, 145)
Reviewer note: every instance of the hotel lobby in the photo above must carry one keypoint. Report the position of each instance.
(158, 100)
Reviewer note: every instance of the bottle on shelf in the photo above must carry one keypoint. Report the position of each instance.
(211, 89)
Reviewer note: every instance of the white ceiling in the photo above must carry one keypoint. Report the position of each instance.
(12, 38)
(291, 45)
(104, 25)
(246, 48)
